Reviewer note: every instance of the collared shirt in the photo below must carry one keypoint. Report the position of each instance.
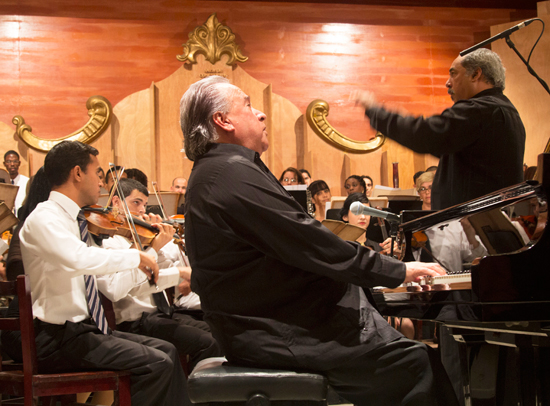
(130, 291)
(480, 142)
(269, 276)
(56, 259)
(21, 181)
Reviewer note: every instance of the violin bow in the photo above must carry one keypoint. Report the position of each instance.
(159, 199)
(114, 174)
(129, 217)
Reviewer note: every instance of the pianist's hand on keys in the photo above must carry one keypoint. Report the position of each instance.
(416, 270)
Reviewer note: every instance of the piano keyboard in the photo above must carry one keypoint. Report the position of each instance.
(457, 281)
(446, 279)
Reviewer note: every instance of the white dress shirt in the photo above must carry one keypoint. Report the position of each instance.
(56, 259)
(129, 291)
(21, 181)
(451, 247)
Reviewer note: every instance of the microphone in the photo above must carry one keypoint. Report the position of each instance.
(503, 34)
(358, 208)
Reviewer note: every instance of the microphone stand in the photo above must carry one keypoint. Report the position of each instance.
(529, 68)
(394, 228)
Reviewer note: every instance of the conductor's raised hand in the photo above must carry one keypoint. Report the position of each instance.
(149, 266)
(416, 270)
(363, 98)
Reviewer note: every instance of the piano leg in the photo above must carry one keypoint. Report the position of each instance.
(497, 369)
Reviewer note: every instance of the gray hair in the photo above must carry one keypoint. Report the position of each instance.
(489, 63)
(197, 107)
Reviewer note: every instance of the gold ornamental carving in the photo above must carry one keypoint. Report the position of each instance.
(100, 112)
(212, 39)
(316, 115)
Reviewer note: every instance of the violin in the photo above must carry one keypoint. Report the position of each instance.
(106, 222)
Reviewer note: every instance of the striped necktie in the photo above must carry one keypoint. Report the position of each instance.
(92, 294)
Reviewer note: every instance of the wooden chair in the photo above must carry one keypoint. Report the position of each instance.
(31, 385)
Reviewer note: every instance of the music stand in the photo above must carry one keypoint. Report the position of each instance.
(171, 200)
(4, 176)
(299, 193)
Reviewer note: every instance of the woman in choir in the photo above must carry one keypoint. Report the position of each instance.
(320, 195)
(291, 177)
(369, 184)
(405, 326)
(363, 220)
(424, 189)
(355, 184)
(307, 176)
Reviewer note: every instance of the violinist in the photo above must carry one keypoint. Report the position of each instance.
(62, 262)
(136, 309)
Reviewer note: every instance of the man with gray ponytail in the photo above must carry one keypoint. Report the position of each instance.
(277, 288)
(480, 140)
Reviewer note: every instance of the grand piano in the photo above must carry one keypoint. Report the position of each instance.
(500, 297)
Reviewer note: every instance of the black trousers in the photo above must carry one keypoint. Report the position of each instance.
(157, 377)
(189, 336)
(403, 372)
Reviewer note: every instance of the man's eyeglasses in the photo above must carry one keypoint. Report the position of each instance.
(12, 162)
(423, 189)
(289, 180)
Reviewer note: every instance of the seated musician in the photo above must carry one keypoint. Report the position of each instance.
(109, 179)
(279, 289)
(39, 190)
(291, 177)
(140, 176)
(62, 261)
(363, 221)
(368, 183)
(355, 184)
(320, 196)
(307, 176)
(452, 244)
(424, 188)
(133, 301)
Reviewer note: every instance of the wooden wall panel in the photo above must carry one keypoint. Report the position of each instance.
(54, 56)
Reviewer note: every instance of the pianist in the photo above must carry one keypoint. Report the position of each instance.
(480, 140)
(278, 289)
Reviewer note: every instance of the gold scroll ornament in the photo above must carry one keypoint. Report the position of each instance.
(316, 115)
(100, 112)
(212, 39)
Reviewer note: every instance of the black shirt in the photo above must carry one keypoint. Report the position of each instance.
(270, 277)
(480, 143)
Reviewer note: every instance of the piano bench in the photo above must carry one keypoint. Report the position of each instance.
(222, 384)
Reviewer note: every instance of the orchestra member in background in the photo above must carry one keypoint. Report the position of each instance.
(307, 176)
(140, 176)
(62, 260)
(279, 289)
(363, 221)
(480, 140)
(424, 189)
(432, 169)
(320, 196)
(355, 184)
(101, 174)
(416, 175)
(12, 162)
(133, 301)
(369, 184)
(179, 185)
(109, 180)
(291, 177)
